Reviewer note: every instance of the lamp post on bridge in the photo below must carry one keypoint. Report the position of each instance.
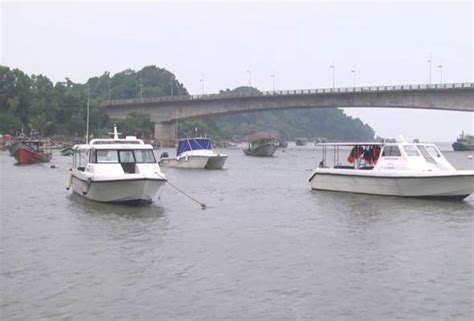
(202, 84)
(353, 71)
(429, 62)
(333, 67)
(440, 66)
(249, 71)
(273, 80)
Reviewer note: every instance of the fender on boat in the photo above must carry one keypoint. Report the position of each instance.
(68, 182)
(88, 186)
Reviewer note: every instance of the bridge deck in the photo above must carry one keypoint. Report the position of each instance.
(339, 90)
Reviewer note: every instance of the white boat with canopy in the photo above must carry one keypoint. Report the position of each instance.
(393, 169)
(195, 153)
(122, 170)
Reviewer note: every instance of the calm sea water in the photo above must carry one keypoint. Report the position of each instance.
(266, 248)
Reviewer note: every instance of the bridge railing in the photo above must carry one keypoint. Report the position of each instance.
(117, 102)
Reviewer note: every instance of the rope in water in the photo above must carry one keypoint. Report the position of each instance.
(203, 206)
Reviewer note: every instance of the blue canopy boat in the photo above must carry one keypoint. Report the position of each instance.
(195, 153)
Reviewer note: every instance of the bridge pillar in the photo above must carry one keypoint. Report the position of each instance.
(165, 134)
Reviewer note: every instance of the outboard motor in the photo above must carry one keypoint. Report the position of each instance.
(164, 155)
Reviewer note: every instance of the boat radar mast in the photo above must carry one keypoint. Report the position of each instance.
(115, 133)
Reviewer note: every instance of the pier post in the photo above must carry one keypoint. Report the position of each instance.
(165, 134)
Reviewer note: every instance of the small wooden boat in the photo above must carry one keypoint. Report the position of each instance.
(262, 145)
(301, 141)
(30, 152)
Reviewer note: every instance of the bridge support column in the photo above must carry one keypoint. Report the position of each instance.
(165, 134)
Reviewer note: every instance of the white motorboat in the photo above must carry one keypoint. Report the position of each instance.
(121, 170)
(195, 153)
(394, 169)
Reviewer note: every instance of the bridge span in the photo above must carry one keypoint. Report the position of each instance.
(165, 111)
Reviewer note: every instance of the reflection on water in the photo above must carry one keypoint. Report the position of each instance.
(266, 247)
(80, 205)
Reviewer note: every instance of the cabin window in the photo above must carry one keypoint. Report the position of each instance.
(391, 151)
(426, 154)
(107, 156)
(126, 156)
(433, 151)
(144, 156)
(411, 150)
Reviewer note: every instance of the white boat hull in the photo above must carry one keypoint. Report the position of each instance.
(216, 162)
(138, 190)
(194, 162)
(457, 185)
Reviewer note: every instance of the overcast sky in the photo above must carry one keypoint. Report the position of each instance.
(385, 43)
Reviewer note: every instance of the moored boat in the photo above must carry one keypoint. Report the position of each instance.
(29, 152)
(195, 153)
(391, 169)
(464, 142)
(282, 144)
(116, 170)
(301, 141)
(262, 145)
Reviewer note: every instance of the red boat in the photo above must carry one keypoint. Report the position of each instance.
(30, 152)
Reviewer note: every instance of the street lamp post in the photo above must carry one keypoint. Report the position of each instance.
(353, 71)
(109, 89)
(429, 62)
(172, 85)
(333, 67)
(273, 81)
(87, 115)
(441, 72)
(202, 84)
(141, 88)
(250, 75)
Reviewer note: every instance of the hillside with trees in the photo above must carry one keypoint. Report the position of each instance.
(36, 104)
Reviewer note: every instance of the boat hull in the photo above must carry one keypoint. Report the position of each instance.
(455, 186)
(262, 151)
(192, 162)
(25, 156)
(216, 162)
(133, 191)
(462, 146)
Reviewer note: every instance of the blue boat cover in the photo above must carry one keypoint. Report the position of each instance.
(193, 144)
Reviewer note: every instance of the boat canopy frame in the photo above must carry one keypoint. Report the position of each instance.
(190, 144)
(336, 150)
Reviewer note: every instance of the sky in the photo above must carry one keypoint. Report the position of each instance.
(216, 44)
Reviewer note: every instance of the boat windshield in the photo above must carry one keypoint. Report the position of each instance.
(112, 156)
(392, 151)
(427, 154)
(411, 150)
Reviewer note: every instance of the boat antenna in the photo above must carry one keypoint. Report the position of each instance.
(87, 118)
(115, 132)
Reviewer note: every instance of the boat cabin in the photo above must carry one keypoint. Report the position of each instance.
(384, 156)
(102, 154)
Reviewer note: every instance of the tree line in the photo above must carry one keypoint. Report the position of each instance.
(36, 104)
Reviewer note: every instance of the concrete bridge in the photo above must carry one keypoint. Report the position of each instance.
(165, 111)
